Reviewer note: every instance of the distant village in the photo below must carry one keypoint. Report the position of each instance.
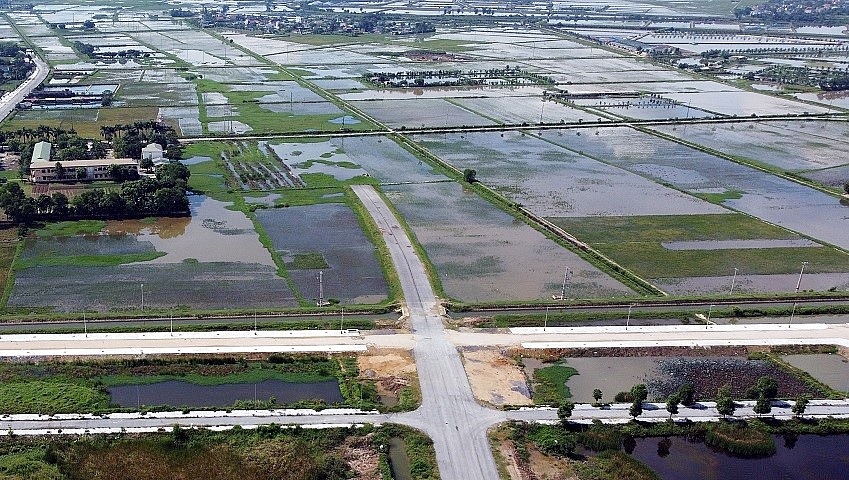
(307, 23)
(800, 11)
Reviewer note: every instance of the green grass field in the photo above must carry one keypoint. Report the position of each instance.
(636, 243)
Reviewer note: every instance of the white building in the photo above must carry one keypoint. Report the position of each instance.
(153, 151)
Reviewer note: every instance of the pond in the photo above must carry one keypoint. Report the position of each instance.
(184, 394)
(798, 458)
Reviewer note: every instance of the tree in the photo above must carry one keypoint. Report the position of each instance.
(724, 403)
(44, 204)
(672, 404)
(469, 175)
(60, 171)
(765, 387)
(640, 392)
(763, 405)
(173, 174)
(170, 200)
(687, 394)
(636, 408)
(82, 173)
(800, 406)
(60, 204)
(597, 396)
(146, 164)
(565, 411)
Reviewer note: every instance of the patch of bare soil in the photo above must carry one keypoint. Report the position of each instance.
(496, 378)
(391, 369)
(361, 457)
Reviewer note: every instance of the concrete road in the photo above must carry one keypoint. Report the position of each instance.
(449, 414)
(11, 99)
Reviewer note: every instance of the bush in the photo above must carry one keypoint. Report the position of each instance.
(740, 440)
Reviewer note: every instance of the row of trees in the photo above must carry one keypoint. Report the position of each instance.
(764, 392)
(164, 195)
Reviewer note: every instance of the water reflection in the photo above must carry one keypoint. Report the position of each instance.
(799, 457)
(183, 394)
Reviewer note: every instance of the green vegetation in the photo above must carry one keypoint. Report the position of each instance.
(269, 452)
(307, 261)
(549, 386)
(419, 449)
(262, 120)
(71, 228)
(740, 440)
(86, 260)
(615, 466)
(636, 243)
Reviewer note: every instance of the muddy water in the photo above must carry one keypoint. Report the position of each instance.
(183, 394)
(482, 253)
(332, 230)
(831, 369)
(554, 181)
(806, 457)
(212, 234)
(753, 283)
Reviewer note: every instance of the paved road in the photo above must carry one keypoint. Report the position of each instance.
(449, 414)
(11, 99)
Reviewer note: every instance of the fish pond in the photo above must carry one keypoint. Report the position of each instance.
(176, 393)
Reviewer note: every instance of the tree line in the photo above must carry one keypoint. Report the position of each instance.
(164, 195)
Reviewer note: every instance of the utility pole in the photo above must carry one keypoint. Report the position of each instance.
(321, 302)
(802, 271)
(563, 290)
(733, 279)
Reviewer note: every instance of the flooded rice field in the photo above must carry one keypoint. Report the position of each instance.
(424, 112)
(331, 236)
(482, 253)
(788, 145)
(748, 283)
(762, 195)
(558, 182)
(213, 260)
